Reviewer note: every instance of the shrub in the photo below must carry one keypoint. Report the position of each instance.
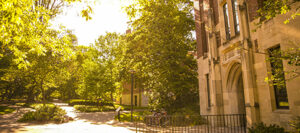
(126, 117)
(263, 128)
(31, 105)
(29, 116)
(20, 104)
(185, 111)
(86, 108)
(6, 110)
(36, 105)
(296, 123)
(128, 107)
(88, 102)
(45, 113)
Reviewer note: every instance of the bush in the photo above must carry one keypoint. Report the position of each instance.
(128, 107)
(45, 113)
(86, 108)
(184, 112)
(31, 105)
(296, 123)
(126, 117)
(6, 110)
(263, 128)
(88, 102)
(29, 116)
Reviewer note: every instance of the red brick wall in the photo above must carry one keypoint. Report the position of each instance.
(215, 8)
(200, 30)
(252, 9)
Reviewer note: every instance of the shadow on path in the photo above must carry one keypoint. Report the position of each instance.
(83, 123)
(8, 122)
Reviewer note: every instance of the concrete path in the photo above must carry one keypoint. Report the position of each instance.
(98, 122)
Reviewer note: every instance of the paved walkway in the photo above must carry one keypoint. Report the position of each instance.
(99, 122)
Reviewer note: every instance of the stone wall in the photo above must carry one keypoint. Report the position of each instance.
(244, 57)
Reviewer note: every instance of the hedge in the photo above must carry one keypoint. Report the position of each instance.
(88, 102)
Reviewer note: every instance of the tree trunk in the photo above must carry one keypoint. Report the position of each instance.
(112, 99)
(43, 93)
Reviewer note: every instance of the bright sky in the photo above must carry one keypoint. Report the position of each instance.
(108, 17)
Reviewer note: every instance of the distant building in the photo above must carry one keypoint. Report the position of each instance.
(139, 97)
(232, 66)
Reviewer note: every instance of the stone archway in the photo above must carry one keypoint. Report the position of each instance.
(235, 89)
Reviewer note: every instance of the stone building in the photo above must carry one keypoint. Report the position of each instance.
(233, 65)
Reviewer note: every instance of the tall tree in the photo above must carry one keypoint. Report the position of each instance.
(101, 69)
(25, 26)
(157, 50)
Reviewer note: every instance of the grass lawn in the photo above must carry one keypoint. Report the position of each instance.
(6, 110)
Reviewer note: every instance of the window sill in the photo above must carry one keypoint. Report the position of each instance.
(282, 111)
(232, 38)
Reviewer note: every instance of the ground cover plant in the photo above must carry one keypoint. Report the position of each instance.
(296, 123)
(6, 110)
(263, 128)
(45, 113)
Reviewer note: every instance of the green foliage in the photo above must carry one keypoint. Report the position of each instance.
(6, 110)
(188, 120)
(263, 128)
(34, 57)
(279, 74)
(36, 105)
(137, 116)
(128, 107)
(272, 8)
(191, 110)
(157, 49)
(45, 113)
(100, 78)
(73, 102)
(86, 108)
(296, 123)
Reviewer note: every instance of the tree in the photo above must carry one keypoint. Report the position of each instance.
(157, 50)
(74, 73)
(272, 8)
(25, 26)
(35, 55)
(280, 74)
(101, 69)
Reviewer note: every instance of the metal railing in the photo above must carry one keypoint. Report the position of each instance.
(231, 123)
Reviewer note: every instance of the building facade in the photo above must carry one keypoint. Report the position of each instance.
(232, 61)
(139, 97)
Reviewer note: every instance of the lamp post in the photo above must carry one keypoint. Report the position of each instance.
(132, 77)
